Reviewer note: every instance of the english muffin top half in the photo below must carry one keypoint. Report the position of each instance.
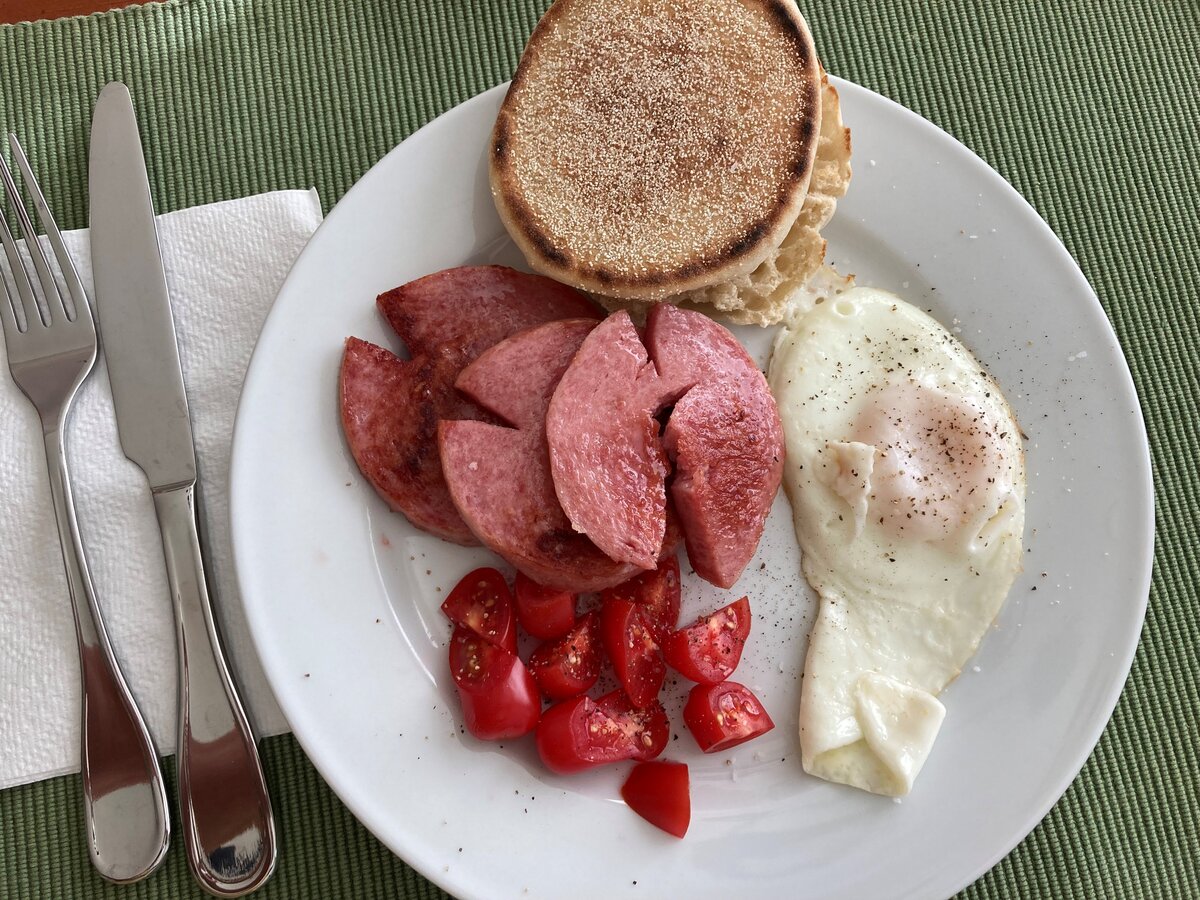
(649, 148)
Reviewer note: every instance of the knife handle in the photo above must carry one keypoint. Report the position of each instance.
(228, 826)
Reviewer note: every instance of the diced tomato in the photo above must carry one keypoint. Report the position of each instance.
(658, 594)
(724, 715)
(631, 647)
(499, 697)
(710, 650)
(543, 612)
(648, 727)
(581, 733)
(569, 666)
(658, 792)
(483, 603)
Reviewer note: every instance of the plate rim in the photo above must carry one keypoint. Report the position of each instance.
(451, 881)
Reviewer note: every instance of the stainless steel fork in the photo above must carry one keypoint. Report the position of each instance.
(51, 349)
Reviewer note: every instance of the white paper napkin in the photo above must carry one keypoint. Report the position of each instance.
(224, 262)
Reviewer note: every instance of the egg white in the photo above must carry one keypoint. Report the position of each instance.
(906, 476)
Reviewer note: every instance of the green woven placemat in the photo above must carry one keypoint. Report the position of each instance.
(1088, 108)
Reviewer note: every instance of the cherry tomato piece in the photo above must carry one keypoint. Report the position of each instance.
(657, 592)
(631, 647)
(710, 650)
(648, 727)
(658, 792)
(581, 733)
(482, 602)
(498, 695)
(724, 715)
(543, 612)
(569, 666)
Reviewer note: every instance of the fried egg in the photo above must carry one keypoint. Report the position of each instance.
(907, 481)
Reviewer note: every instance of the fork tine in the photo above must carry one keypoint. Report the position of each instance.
(70, 274)
(29, 306)
(8, 316)
(32, 244)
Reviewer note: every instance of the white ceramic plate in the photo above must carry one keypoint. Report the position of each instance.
(342, 595)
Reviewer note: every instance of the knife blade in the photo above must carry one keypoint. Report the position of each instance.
(139, 339)
(228, 824)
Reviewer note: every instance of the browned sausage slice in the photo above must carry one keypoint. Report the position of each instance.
(500, 477)
(724, 436)
(474, 307)
(607, 460)
(390, 407)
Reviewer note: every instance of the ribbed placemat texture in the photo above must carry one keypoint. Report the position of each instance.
(1088, 108)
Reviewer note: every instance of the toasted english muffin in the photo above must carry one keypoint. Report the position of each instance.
(647, 149)
(784, 283)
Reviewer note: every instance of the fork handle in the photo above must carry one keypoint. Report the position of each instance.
(229, 829)
(125, 802)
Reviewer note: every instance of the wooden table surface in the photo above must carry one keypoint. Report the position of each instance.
(31, 10)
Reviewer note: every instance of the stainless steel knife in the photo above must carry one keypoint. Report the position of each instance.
(228, 824)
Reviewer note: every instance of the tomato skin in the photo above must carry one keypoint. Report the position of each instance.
(543, 612)
(569, 666)
(563, 740)
(721, 716)
(630, 644)
(658, 594)
(710, 650)
(498, 695)
(658, 792)
(582, 733)
(483, 603)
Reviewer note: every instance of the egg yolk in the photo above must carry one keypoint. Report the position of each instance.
(938, 460)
